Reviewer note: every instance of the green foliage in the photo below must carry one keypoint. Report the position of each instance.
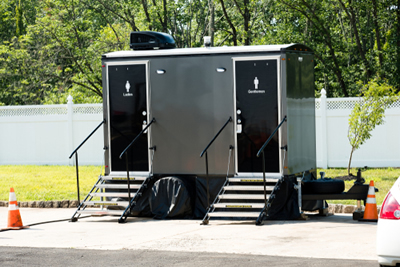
(49, 49)
(19, 22)
(369, 113)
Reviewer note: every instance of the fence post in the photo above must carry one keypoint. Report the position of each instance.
(70, 133)
(324, 132)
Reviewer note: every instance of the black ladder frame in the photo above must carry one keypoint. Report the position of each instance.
(268, 203)
(206, 158)
(132, 201)
(76, 159)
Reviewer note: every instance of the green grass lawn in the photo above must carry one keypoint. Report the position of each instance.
(33, 183)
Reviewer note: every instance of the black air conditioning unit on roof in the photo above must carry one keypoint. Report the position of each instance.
(151, 40)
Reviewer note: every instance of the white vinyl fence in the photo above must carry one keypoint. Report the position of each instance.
(46, 135)
(333, 148)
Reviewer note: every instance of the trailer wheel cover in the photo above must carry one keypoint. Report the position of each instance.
(323, 186)
(171, 198)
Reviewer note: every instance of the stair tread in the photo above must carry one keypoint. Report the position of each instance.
(123, 178)
(118, 186)
(234, 214)
(242, 196)
(99, 212)
(112, 194)
(107, 203)
(240, 205)
(253, 180)
(248, 187)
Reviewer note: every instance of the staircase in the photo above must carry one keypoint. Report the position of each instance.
(242, 199)
(109, 196)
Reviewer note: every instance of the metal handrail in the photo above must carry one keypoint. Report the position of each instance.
(134, 140)
(206, 159)
(263, 158)
(126, 157)
(84, 141)
(272, 135)
(215, 137)
(76, 157)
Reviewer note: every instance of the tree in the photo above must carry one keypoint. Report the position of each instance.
(368, 113)
(50, 48)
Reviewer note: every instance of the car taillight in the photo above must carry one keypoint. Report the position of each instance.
(390, 208)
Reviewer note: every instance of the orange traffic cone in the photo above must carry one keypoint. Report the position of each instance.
(371, 211)
(14, 217)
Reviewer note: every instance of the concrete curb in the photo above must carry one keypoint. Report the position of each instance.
(339, 208)
(45, 204)
(332, 208)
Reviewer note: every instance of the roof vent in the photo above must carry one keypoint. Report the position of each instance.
(151, 40)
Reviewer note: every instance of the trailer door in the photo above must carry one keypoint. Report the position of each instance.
(257, 113)
(127, 113)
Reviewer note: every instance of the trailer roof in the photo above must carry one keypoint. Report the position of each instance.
(209, 50)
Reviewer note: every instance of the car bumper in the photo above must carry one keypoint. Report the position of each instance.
(388, 242)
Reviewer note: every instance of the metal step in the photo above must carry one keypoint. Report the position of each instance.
(123, 178)
(100, 212)
(106, 203)
(252, 180)
(118, 186)
(242, 196)
(248, 188)
(239, 205)
(112, 194)
(234, 214)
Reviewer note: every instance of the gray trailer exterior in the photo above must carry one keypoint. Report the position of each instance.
(192, 92)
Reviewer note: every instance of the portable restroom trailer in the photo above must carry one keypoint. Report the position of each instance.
(189, 94)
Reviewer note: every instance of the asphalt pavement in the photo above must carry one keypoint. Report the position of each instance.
(317, 240)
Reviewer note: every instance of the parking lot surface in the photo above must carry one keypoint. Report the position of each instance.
(331, 237)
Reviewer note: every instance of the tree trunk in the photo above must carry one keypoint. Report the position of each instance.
(351, 156)
(234, 33)
(246, 22)
(350, 13)
(212, 19)
(165, 22)
(146, 12)
(377, 34)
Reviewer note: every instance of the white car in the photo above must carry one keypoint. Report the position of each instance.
(388, 233)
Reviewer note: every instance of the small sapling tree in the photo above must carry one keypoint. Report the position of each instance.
(368, 113)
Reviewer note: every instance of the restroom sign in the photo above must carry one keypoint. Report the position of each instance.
(256, 83)
(127, 88)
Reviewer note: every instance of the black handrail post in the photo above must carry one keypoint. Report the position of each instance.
(205, 152)
(76, 156)
(263, 157)
(127, 176)
(77, 176)
(208, 183)
(265, 182)
(127, 158)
